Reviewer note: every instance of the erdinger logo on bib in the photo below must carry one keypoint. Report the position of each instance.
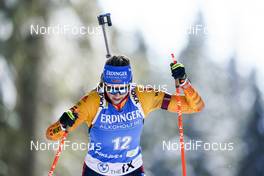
(120, 118)
(103, 167)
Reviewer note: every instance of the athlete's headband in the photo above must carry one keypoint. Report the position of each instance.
(117, 74)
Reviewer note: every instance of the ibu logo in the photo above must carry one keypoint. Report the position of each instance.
(134, 95)
(103, 167)
(101, 95)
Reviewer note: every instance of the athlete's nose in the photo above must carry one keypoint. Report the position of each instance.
(117, 96)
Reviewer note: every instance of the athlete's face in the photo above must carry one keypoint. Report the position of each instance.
(116, 92)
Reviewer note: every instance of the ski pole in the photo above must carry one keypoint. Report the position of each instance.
(180, 123)
(105, 19)
(55, 161)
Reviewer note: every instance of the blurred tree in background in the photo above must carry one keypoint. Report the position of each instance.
(22, 53)
(253, 136)
(226, 113)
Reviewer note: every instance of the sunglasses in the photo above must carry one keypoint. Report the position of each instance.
(115, 90)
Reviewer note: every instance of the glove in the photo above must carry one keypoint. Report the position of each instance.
(67, 119)
(178, 72)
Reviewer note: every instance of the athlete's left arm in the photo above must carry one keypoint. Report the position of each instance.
(191, 101)
(151, 99)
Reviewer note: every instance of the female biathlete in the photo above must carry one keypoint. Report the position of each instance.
(114, 113)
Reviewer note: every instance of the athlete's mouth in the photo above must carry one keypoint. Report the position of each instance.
(117, 99)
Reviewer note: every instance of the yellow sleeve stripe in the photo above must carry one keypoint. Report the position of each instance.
(70, 114)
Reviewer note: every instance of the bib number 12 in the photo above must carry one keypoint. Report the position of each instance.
(122, 143)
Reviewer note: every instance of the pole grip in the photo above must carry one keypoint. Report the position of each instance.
(173, 58)
(177, 82)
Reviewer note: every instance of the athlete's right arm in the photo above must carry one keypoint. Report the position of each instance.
(84, 111)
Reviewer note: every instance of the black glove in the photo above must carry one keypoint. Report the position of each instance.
(67, 119)
(178, 72)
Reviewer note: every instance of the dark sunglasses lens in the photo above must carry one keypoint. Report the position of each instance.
(109, 88)
(123, 91)
(114, 90)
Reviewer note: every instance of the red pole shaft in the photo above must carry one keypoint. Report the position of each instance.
(55, 161)
(180, 123)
